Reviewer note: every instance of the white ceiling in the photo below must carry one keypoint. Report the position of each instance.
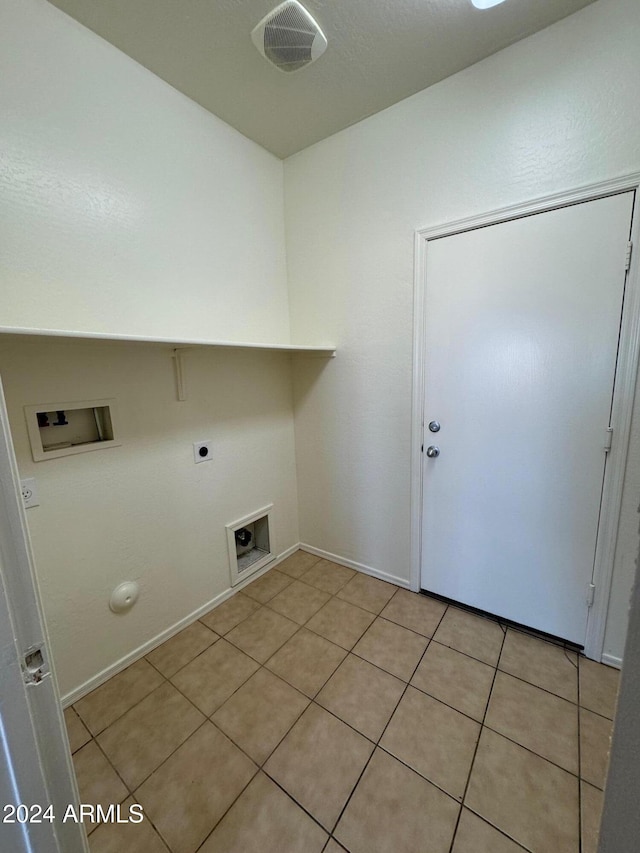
(380, 51)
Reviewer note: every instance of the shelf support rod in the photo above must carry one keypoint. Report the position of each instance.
(181, 382)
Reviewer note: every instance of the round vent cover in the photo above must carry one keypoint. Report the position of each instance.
(289, 37)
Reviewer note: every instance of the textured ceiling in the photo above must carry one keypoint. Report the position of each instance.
(380, 51)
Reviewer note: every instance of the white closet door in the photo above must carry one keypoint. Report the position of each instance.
(522, 326)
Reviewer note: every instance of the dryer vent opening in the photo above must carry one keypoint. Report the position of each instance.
(289, 37)
(250, 544)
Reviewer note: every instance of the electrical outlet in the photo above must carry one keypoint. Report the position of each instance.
(29, 492)
(202, 451)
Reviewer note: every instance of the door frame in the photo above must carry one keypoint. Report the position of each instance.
(34, 727)
(623, 391)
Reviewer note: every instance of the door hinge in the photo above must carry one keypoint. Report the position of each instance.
(591, 592)
(35, 666)
(628, 257)
(608, 437)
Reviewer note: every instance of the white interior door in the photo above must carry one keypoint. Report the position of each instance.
(522, 324)
(35, 762)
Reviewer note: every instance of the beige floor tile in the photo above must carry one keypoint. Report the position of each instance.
(362, 695)
(598, 687)
(179, 650)
(541, 663)
(297, 564)
(262, 633)
(541, 721)
(333, 847)
(265, 820)
(299, 601)
(230, 613)
(113, 698)
(147, 734)
(392, 647)
(393, 810)
(130, 837)
(591, 813)
(265, 587)
(306, 661)
(191, 791)
(329, 577)
(213, 676)
(98, 782)
(260, 713)
(367, 592)
(417, 612)
(76, 730)
(319, 763)
(475, 835)
(474, 635)
(438, 742)
(595, 743)
(340, 622)
(531, 800)
(455, 679)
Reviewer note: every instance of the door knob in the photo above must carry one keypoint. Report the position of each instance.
(433, 451)
(434, 426)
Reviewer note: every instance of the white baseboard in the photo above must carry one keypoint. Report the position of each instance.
(612, 660)
(145, 648)
(359, 567)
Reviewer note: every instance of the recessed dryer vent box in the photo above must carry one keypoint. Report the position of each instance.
(250, 544)
(62, 429)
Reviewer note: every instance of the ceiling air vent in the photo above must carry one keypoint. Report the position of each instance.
(289, 37)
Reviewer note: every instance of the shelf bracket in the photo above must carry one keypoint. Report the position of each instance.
(181, 383)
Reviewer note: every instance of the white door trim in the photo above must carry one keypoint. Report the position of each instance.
(39, 735)
(623, 398)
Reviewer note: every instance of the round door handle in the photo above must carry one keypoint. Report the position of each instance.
(433, 451)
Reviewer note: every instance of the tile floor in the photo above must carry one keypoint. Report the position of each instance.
(321, 709)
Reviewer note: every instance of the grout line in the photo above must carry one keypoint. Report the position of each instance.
(154, 827)
(120, 716)
(130, 791)
(537, 686)
(580, 845)
(261, 766)
(166, 680)
(452, 707)
(531, 751)
(300, 806)
(566, 654)
(313, 701)
(377, 743)
(466, 654)
(475, 752)
(115, 770)
(195, 657)
(331, 674)
(518, 844)
(173, 752)
(220, 819)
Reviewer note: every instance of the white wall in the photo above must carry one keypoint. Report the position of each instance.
(551, 113)
(125, 207)
(620, 828)
(144, 511)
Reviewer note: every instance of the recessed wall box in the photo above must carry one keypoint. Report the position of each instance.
(250, 542)
(62, 429)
